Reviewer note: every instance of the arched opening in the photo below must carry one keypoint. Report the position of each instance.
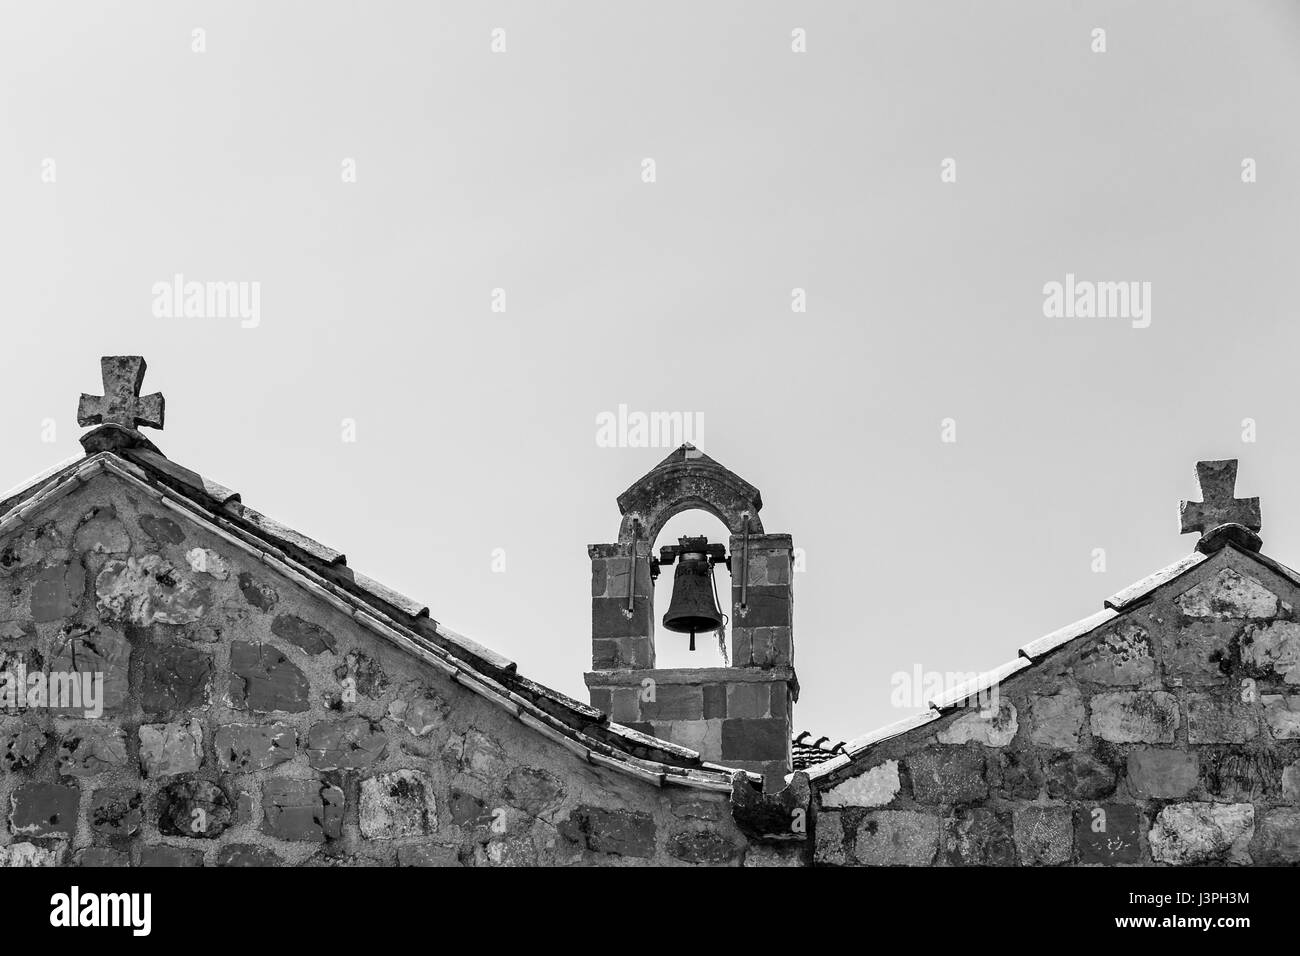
(672, 648)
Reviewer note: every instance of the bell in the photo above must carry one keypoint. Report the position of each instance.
(693, 608)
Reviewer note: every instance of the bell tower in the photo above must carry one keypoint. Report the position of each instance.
(737, 716)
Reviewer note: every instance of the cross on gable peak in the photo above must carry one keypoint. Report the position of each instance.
(121, 403)
(1218, 506)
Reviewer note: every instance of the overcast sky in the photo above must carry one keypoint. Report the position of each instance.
(128, 157)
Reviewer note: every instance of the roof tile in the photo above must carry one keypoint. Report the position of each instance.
(958, 695)
(1063, 635)
(1135, 592)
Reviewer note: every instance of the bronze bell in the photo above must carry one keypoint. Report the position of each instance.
(694, 607)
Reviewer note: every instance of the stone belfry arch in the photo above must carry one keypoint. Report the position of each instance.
(740, 715)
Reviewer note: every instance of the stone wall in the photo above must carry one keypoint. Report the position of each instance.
(246, 723)
(1170, 735)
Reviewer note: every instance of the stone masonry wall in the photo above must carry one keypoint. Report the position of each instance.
(247, 724)
(1169, 736)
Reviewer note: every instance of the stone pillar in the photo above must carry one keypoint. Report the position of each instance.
(762, 628)
(621, 639)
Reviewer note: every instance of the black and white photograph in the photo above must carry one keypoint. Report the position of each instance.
(494, 438)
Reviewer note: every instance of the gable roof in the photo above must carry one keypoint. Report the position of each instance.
(392, 616)
(1032, 654)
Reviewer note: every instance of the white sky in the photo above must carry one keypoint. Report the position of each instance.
(476, 430)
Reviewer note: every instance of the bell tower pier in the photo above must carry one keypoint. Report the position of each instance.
(739, 715)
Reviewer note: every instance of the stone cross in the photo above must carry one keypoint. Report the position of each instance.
(1218, 479)
(121, 403)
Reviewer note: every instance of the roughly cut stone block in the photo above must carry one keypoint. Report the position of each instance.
(1216, 720)
(947, 775)
(874, 788)
(762, 855)
(149, 590)
(1056, 719)
(44, 810)
(193, 808)
(102, 533)
(169, 856)
(616, 832)
(97, 651)
(1079, 776)
(259, 594)
(897, 838)
(468, 810)
(100, 857)
(57, 591)
(176, 679)
(420, 716)
(702, 736)
(745, 738)
(1282, 714)
(1278, 841)
(248, 748)
(702, 845)
(979, 837)
(767, 646)
(1291, 783)
(353, 743)
(301, 810)
(1109, 834)
(246, 855)
(1240, 776)
(1135, 717)
(264, 680)
(1187, 833)
(747, 700)
(27, 855)
(1122, 657)
(312, 638)
(1044, 835)
(1228, 594)
(994, 730)
(715, 703)
(674, 702)
(1273, 648)
(1198, 654)
(90, 750)
(1165, 774)
(828, 846)
(117, 811)
(427, 855)
(533, 791)
(162, 530)
(365, 674)
(1018, 774)
(206, 561)
(32, 546)
(167, 749)
(483, 757)
(22, 747)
